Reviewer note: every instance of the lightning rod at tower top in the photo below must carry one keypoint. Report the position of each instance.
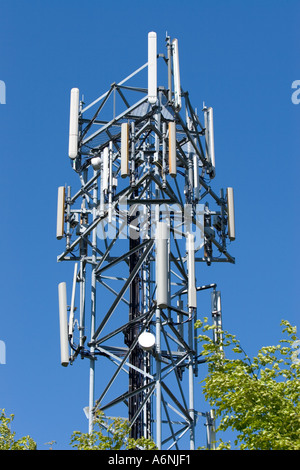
(138, 229)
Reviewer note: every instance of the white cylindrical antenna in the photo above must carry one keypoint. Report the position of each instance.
(105, 169)
(192, 294)
(73, 129)
(162, 264)
(230, 214)
(60, 213)
(209, 138)
(124, 149)
(176, 72)
(71, 318)
(152, 68)
(172, 149)
(63, 324)
(147, 341)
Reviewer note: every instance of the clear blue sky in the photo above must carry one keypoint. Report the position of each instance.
(240, 57)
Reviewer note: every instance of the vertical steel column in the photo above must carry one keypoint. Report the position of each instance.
(192, 304)
(145, 289)
(136, 356)
(157, 119)
(158, 378)
(191, 380)
(210, 430)
(93, 307)
(83, 254)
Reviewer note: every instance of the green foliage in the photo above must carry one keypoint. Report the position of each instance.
(115, 436)
(7, 438)
(259, 399)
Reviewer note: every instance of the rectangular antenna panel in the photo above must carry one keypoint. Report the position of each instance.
(176, 73)
(152, 67)
(124, 149)
(209, 137)
(60, 213)
(105, 169)
(172, 149)
(63, 324)
(230, 214)
(71, 318)
(196, 175)
(73, 129)
(162, 264)
(216, 301)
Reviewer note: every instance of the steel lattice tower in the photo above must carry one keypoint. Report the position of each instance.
(143, 216)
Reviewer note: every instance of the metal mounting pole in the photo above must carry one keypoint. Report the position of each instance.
(93, 307)
(136, 358)
(191, 380)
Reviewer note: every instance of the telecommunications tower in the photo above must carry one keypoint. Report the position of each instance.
(141, 220)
